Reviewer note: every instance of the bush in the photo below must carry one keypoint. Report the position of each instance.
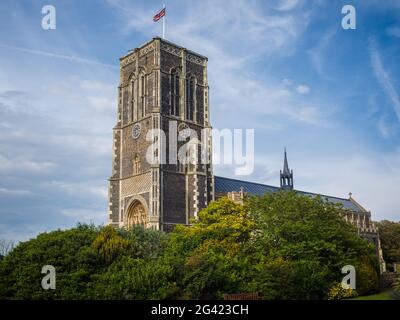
(68, 251)
(337, 292)
(283, 245)
(85, 259)
(367, 275)
(132, 279)
(396, 284)
(311, 235)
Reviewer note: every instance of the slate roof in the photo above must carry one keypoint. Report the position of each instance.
(225, 185)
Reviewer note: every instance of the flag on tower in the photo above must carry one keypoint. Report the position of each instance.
(159, 15)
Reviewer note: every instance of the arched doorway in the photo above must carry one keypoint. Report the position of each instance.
(136, 215)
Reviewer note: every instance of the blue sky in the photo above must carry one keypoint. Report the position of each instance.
(285, 68)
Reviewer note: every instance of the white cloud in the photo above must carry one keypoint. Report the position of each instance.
(18, 233)
(287, 82)
(383, 127)
(393, 31)
(383, 78)
(85, 188)
(286, 5)
(373, 178)
(85, 215)
(261, 31)
(316, 53)
(303, 89)
(58, 56)
(20, 164)
(102, 103)
(11, 192)
(97, 86)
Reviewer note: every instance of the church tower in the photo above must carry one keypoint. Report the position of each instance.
(286, 175)
(163, 92)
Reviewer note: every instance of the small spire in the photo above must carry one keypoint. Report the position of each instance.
(286, 175)
(286, 165)
(350, 194)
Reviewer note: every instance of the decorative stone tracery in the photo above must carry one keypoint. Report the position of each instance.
(136, 215)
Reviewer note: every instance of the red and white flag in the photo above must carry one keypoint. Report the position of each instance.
(159, 15)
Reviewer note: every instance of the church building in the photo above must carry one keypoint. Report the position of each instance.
(162, 83)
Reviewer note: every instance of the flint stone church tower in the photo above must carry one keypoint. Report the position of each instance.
(160, 82)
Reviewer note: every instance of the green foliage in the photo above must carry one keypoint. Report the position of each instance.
(390, 240)
(206, 256)
(145, 243)
(136, 270)
(367, 278)
(313, 240)
(283, 245)
(396, 284)
(109, 245)
(84, 259)
(68, 251)
(130, 278)
(337, 292)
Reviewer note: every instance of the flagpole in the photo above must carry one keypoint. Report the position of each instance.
(163, 23)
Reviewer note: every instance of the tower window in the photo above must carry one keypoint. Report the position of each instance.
(142, 96)
(136, 165)
(190, 98)
(133, 83)
(175, 93)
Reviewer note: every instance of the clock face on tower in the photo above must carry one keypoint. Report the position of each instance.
(184, 130)
(136, 129)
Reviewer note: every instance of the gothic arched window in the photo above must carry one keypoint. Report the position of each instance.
(190, 98)
(192, 157)
(142, 99)
(133, 100)
(175, 92)
(136, 164)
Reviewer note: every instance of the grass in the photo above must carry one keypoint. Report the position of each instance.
(385, 295)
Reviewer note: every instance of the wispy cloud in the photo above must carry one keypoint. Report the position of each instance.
(317, 52)
(383, 77)
(13, 192)
(86, 215)
(58, 56)
(21, 164)
(393, 31)
(303, 89)
(286, 5)
(262, 32)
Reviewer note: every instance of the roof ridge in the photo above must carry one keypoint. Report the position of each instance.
(358, 205)
(323, 195)
(261, 184)
(267, 185)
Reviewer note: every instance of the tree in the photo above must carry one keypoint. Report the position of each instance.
(109, 245)
(87, 259)
(206, 255)
(135, 269)
(390, 240)
(68, 251)
(135, 278)
(309, 236)
(284, 245)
